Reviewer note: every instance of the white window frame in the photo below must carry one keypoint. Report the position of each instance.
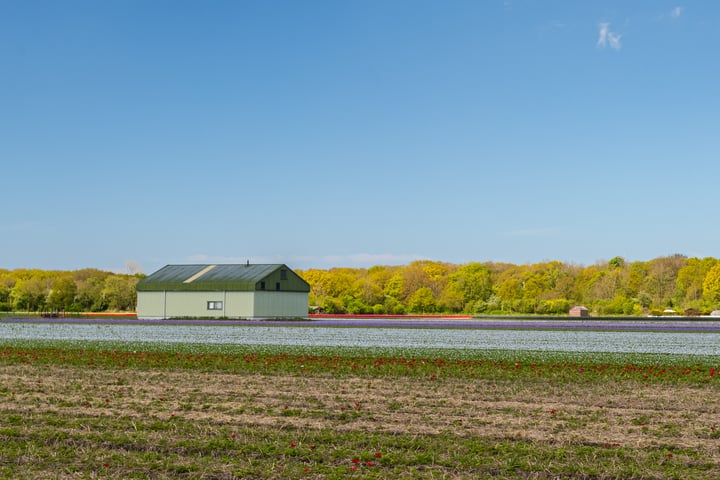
(214, 305)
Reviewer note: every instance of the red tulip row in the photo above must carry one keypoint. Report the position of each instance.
(521, 365)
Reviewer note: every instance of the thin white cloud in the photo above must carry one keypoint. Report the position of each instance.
(304, 262)
(676, 12)
(606, 37)
(602, 38)
(369, 259)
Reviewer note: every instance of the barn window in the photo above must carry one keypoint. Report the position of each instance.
(283, 274)
(214, 305)
(262, 285)
(277, 286)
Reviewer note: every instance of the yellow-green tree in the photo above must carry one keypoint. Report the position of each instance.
(119, 292)
(62, 293)
(29, 294)
(422, 301)
(711, 285)
(689, 281)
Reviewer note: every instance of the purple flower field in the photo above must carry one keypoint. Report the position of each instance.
(704, 324)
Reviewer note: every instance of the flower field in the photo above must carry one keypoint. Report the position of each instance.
(694, 338)
(150, 410)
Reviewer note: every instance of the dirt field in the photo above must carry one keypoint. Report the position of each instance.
(72, 406)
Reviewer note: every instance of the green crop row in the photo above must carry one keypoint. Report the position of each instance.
(561, 366)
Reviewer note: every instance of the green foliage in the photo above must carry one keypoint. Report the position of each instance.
(422, 301)
(62, 294)
(616, 262)
(615, 287)
(29, 294)
(711, 285)
(88, 290)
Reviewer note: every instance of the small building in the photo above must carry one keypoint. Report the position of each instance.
(715, 313)
(248, 291)
(579, 311)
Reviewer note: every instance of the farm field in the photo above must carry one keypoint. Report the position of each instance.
(106, 410)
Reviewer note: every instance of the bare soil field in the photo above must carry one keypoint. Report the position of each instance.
(97, 422)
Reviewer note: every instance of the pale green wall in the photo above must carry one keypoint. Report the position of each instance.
(281, 304)
(158, 305)
(150, 305)
(192, 304)
(239, 304)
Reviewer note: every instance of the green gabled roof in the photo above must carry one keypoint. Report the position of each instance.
(212, 277)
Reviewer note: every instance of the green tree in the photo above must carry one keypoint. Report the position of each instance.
(711, 285)
(119, 292)
(89, 296)
(339, 281)
(451, 300)
(422, 301)
(661, 279)
(509, 291)
(415, 276)
(637, 278)
(4, 298)
(395, 286)
(472, 282)
(367, 291)
(616, 262)
(689, 282)
(62, 293)
(29, 295)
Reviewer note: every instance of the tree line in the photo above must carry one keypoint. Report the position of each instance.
(86, 290)
(689, 286)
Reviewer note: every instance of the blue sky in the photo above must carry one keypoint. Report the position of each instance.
(357, 133)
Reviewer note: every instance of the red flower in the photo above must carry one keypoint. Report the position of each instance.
(378, 455)
(369, 463)
(355, 460)
(293, 444)
(312, 447)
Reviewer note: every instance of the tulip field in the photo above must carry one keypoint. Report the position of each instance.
(133, 409)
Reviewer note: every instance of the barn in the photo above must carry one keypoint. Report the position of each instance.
(251, 291)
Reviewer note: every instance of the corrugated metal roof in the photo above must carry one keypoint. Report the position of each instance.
(235, 277)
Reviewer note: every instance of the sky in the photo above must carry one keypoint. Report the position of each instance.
(333, 133)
